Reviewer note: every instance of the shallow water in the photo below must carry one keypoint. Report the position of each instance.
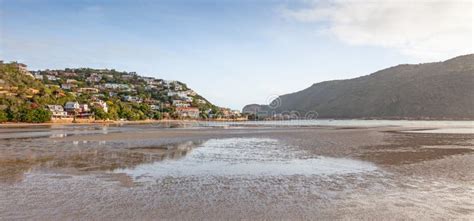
(348, 123)
(454, 130)
(247, 157)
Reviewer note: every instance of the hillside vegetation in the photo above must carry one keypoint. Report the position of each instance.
(24, 95)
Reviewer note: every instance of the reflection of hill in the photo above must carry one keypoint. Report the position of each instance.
(15, 162)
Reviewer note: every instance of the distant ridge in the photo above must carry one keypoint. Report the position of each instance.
(440, 90)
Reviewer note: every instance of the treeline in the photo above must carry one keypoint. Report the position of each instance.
(24, 114)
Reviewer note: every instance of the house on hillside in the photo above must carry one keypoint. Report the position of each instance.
(188, 112)
(69, 74)
(115, 86)
(68, 86)
(57, 112)
(84, 108)
(71, 81)
(180, 103)
(88, 90)
(94, 78)
(72, 108)
(181, 94)
(84, 112)
(150, 87)
(131, 99)
(38, 76)
(51, 77)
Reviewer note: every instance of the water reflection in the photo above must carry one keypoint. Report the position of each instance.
(59, 135)
(246, 157)
(81, 157)
(144, 160)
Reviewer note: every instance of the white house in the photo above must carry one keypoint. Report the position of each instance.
(67, 86)
(38, 76)
(57, 111)
(180, 103)
(116, 86)
(51, 77)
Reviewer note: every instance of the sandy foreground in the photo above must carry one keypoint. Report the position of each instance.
(291, 173)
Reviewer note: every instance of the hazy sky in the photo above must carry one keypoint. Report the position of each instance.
(235, 52)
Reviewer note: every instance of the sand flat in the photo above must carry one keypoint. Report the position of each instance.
(312, 172)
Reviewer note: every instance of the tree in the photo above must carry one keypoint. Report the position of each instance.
(99, 113)
(3, 116)
(38, 116)
(113, 110)
(157, 115)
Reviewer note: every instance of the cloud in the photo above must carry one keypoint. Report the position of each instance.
(424, 29)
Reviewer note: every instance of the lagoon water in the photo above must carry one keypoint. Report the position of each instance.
(239, 170)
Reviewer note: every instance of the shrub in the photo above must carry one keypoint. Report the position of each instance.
(100, 114)
(157, 116)
(37, 116)
(3, 116)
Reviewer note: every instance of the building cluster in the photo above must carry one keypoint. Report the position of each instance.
(125, 87)
(98, 86)
(74, 109)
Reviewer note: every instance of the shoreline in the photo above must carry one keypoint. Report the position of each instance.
(20, 124)
(188, 121)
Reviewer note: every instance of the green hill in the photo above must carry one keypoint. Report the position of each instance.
(127, 95)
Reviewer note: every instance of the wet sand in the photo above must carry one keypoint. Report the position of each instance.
(292, 173)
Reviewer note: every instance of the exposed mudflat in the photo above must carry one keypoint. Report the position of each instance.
(147, 172)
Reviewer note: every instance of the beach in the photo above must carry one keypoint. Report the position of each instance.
(149, 172)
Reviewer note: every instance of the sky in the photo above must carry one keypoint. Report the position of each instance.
(235, 52)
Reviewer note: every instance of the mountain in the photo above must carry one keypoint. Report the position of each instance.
(440, 90)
